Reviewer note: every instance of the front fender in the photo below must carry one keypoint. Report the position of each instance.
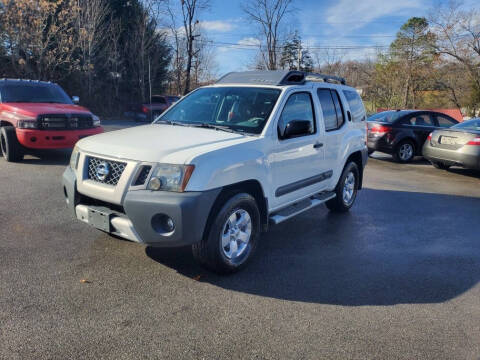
(227, 166)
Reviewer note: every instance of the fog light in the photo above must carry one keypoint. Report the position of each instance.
(155, 183)
(163, 224)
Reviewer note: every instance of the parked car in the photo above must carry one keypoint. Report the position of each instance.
(402, 133)
(456, 146)
(40, 115)
(220, 166)
(149, 111)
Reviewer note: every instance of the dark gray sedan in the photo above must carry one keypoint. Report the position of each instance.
(458, 145)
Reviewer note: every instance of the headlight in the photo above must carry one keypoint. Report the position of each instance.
(170, 177)
(27, 124)
(74, 158)
(96, 121)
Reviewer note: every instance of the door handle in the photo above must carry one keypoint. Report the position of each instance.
(317, 145)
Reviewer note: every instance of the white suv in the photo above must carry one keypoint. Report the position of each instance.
(222, 164)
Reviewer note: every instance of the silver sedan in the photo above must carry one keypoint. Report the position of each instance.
(455, 146)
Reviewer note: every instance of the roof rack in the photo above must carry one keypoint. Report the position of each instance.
(277, 77)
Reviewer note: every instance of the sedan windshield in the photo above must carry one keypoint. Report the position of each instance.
(33, 93)
(473, 125)
(239, 109)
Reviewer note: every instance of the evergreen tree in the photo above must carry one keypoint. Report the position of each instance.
(291, 51)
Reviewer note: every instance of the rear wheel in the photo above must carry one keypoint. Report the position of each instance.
(10, 147)
(346, 189)
(404, 152)
(232, 238)
(441, 166)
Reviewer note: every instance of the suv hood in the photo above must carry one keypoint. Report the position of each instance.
(160, 143)
(35, 109)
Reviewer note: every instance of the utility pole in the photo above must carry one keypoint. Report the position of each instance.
(299, 56)
(150, 87)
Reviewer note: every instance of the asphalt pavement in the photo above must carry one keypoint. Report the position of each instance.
(396, 278)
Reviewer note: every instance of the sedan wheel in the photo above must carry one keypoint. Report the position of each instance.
(405, 152)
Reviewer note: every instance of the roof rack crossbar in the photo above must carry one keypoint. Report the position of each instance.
(300, 77)
(326, 78)
(277, 77)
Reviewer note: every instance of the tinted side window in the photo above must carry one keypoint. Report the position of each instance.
(444, 121)
(356, 105)
(298, 107)
(421, 120)
(332, 112)
(338, 108)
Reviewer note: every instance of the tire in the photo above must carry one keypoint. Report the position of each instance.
(441, 166)
(370, 152)
(10, 147)
(341, 203)
(404, 152)
(239, 216)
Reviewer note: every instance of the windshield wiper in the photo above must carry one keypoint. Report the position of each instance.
(216, 127)
(169, 122)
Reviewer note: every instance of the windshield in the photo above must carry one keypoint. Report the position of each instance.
(386, 116)
(33, 93)
(473, 125)
(240, 109)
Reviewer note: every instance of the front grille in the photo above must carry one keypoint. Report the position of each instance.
(142, 175)
(65, 122)
(105, 171)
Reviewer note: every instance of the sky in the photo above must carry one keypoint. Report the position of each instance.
(353, 27)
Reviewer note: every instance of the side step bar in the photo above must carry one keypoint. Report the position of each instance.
(300, 207)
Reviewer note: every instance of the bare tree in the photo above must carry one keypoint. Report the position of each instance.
(190, 9)
(92, 34)
(177, 34)
(268, 15)
(114, 59)
(39, 37)
(457, 33)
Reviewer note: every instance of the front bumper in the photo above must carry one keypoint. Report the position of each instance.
(138, 219)
(56, 139)
(467, 156)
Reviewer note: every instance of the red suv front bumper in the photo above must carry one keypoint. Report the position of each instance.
(58, 139)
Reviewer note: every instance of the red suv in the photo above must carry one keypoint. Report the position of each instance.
(40, 115)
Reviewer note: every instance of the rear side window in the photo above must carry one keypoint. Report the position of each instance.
(331, 108)
(356, 105)
(444, 121)
(420, 120)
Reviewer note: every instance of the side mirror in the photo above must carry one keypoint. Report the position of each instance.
(297, 128)
(76, 100)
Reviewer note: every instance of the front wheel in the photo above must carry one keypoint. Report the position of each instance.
(10, 147)
(346, 189)
(232, 238)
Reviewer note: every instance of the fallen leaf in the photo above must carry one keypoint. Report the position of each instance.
(198, 277)
(85, 281)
